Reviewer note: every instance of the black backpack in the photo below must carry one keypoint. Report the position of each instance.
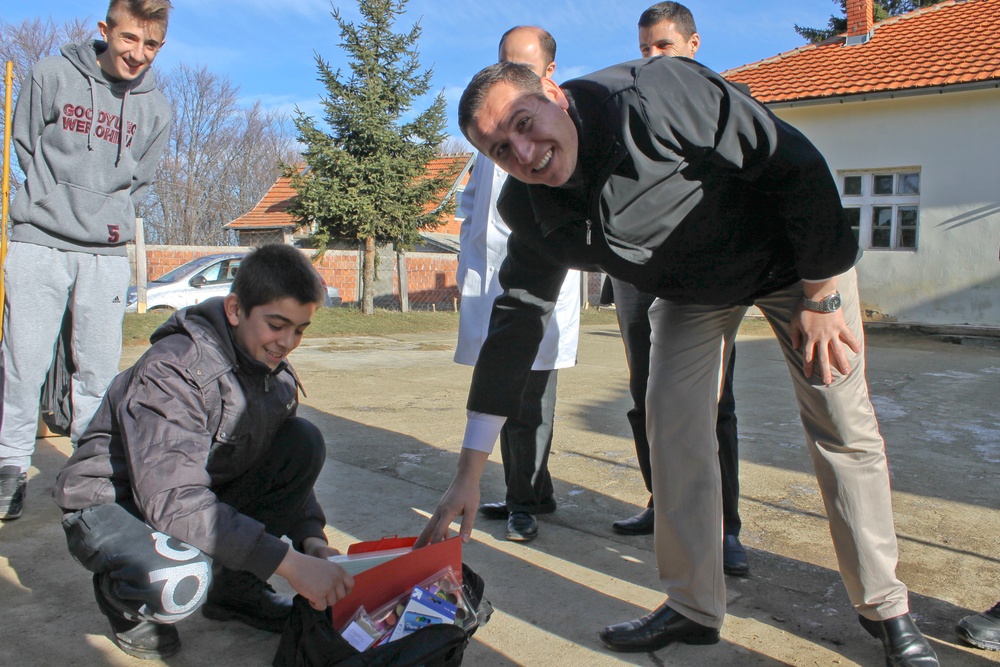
(56, 398)
(310, 640)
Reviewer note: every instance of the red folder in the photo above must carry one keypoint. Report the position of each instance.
(384, 583)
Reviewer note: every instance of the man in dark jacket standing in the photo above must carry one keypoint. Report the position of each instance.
(660, 173)
(668, 29)
(195, 458)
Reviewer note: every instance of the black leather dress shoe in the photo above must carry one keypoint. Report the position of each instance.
(660, 627)
(904, 645)
(734, 557)
(494, 510)
(522, 527)
(640, 524)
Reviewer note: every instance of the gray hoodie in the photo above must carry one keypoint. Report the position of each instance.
(88, 146)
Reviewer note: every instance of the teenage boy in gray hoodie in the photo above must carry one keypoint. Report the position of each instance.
(88, 129)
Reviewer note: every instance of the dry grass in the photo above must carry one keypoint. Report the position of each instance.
(338, 322)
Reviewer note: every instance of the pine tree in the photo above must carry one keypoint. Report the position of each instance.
(883, 10)
(366, 179)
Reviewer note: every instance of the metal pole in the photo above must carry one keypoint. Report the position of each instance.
(8, 84)
(140, 266)
(404, 285)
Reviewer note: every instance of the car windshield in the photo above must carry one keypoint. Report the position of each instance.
(183, 270)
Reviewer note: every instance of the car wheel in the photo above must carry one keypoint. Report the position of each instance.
(161, 309)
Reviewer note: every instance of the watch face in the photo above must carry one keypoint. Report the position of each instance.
(828, 305)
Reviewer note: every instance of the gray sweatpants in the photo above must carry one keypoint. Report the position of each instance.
(40, 284)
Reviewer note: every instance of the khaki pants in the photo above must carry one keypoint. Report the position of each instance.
(689, 343)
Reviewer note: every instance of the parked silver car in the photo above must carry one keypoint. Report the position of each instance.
(199, 279)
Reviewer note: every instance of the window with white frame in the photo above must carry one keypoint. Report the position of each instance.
(882, 206)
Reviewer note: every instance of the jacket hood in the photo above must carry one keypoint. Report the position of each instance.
(84, 58)
(205, 318)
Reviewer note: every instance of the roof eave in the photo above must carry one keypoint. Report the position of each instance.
(885, 94)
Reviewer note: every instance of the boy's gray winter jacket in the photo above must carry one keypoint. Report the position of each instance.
(193, 413)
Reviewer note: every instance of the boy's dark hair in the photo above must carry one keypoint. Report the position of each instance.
(545, 40)
(519, 76)
(153, 11)
(274, 272)
(674, 12)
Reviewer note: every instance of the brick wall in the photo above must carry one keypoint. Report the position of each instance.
(430, 276)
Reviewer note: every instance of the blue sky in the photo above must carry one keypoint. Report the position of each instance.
(267, 47)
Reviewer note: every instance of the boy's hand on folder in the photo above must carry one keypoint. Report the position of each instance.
(461, 498)
(313, 546)
(316, 579)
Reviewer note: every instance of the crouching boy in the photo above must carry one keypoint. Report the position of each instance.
(195, 466)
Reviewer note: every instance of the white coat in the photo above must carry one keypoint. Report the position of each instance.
(483, 239)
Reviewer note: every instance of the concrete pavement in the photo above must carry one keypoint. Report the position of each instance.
(393, 411)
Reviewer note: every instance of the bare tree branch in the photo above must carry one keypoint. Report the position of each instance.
(220, 160)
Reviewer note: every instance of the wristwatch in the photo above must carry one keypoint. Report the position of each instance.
(829, 304)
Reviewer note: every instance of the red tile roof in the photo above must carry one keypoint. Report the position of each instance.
(443, 164)
(454, 163)
(954, 42)
(272, 210)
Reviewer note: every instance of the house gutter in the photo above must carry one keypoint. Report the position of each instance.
(886, 95)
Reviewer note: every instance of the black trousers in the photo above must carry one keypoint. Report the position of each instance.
(525, 442)
(146, 575)
(632, 308)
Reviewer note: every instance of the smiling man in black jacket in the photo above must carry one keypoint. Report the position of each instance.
(663, 175)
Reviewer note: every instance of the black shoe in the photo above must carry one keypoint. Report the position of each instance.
(13, 486)
(904, 645)
(140, 639)
(522, 527)
(494, 510)
(640, 524)
(982, 630)
(242, 596)
(734, 557)
(655, 630)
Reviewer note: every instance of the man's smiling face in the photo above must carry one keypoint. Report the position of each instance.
(132, 46)
(530, 136)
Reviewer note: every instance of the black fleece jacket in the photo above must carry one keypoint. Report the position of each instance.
(686, 187)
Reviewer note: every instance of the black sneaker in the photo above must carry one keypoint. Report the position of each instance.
(138, 638)
(241, 596)
(13, 486)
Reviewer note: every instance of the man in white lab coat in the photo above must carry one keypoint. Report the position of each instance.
(524, 442)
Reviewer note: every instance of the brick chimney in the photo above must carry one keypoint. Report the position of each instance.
(860, 21)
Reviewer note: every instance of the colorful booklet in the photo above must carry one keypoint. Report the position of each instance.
(423, 609)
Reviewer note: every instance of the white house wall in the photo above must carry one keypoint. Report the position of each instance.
(953, 277)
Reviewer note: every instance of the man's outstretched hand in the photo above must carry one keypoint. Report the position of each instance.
(461, 499)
